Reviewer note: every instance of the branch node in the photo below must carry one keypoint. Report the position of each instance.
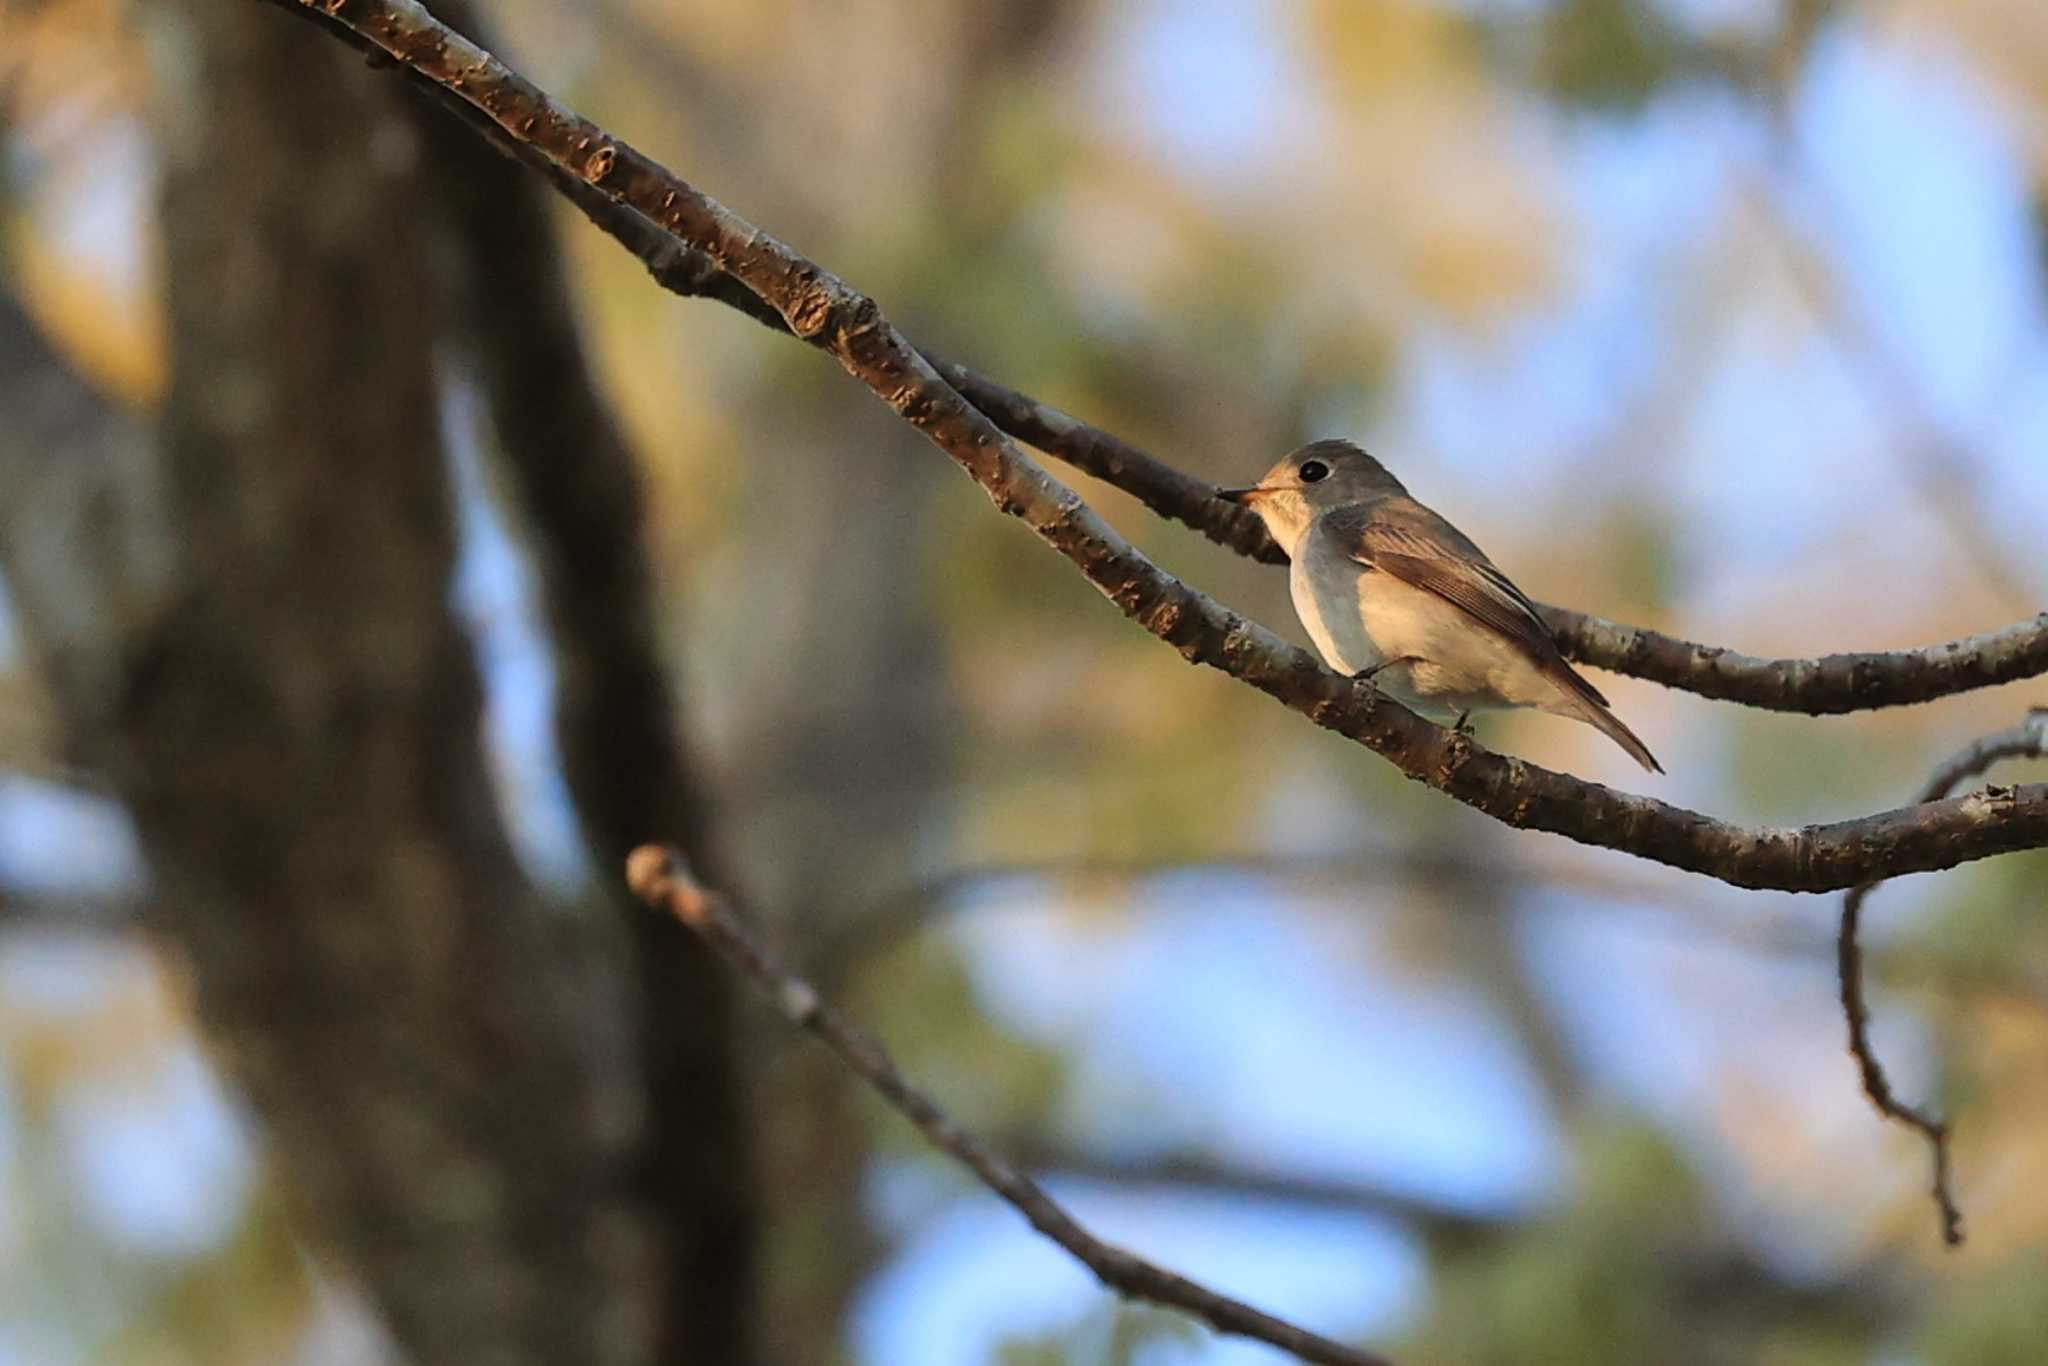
(810, 313)
(2028, 739)
(799, 1002)
(656, 873)
(750, 270)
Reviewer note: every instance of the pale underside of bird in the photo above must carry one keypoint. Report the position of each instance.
(1389, 590)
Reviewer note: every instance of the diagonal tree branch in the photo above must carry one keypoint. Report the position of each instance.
(2029, 739)
(823, 310)
(659, 877)
(1824, 685)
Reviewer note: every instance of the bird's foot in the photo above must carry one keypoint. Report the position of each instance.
(1463, 725)
(1367, 675)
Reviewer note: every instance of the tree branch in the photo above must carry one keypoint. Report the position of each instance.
(1824, 685)
(2029, 739)
(823, 310)
(1827, 685)
(659, 877)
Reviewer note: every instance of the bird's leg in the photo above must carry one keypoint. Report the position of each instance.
(1463, 725)
(1367, 675)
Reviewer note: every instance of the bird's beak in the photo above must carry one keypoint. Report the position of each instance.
(1246, 497)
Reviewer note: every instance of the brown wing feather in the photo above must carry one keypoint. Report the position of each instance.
(1418, 547)
(1401, 537)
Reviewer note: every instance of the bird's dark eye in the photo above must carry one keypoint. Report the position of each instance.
(1313, 471)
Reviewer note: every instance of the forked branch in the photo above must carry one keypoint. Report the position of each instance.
(2029, 739)
(1824, 685)
(824, 311)
(1821, 685)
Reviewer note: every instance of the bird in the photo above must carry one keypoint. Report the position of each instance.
(1392, 592)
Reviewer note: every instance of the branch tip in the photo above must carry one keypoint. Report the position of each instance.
(657, 873)
(652, 210)
(658, 876)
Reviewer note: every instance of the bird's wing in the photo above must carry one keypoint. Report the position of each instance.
(1420, 548)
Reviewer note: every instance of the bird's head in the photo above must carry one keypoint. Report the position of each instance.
(1310, 481)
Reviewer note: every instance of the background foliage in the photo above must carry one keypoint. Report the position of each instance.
(1724, 316)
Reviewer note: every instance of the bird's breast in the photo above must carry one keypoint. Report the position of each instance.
(1359, 617)
(1328, 593)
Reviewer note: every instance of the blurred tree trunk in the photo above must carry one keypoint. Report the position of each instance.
(577, 496)
(846, 783)
(446, 1089)
(845, 791)
(844, 796)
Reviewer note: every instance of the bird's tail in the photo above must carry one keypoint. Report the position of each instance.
(1581, 701)
(1611, 726)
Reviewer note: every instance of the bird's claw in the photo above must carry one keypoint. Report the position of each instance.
(1367, 675)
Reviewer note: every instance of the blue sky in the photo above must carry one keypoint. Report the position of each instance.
(1211, 1012)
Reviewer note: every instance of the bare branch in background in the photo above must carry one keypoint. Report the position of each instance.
(659, 877)
(109, 916)
(829, 314)
(1712, 1279)
(930, 905)
(2029, 739)
(909, 909)
(1682, 910)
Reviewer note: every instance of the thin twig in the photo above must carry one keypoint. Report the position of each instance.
(1722, 1282)
(1825, 685)
(659, 877)
(2029, 739)
(848, 325)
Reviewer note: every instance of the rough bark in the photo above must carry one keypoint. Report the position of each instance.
(1830, 684)
(823, 310)
(444, 1091)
